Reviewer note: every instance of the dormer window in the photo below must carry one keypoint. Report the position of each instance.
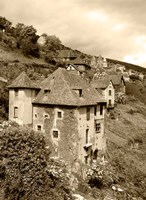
(46, 92)
(78, 92)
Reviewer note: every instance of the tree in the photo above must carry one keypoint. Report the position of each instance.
(4, 23)
(51, 43)
(29, 48)
(4, 101)
(27, 39)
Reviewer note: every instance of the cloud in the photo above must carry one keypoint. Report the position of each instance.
(96, 27)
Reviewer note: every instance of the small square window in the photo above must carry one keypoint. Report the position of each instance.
(55, 134)
(59, 114)
(46, 116)
(39, 127)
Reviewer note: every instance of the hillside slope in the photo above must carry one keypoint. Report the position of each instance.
(126, 144)
(7, 55)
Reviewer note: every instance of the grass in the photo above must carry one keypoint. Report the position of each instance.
(7, 55)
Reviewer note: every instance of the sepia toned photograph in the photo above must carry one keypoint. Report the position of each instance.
(72, 100)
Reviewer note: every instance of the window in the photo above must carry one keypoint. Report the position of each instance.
(98, 127)
(110, 102)
(39, 127)
(36, 116)
(101, 109)
(86, 160)
(110, 92)
(59, 114)
(88, 113)
(55, 134)
(15, 112)
(95, 110)
(16, 92)
(46, 92)
(36, 92)
(46, 116)
(80, 93)
(87, 136)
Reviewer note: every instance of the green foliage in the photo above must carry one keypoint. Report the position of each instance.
(4, 23)
(24, 157)
(101, 175)
(4, 101)
(27, 39)
(25, 173)
(29, 48)
(137, 90)
(51, 43)
(126, 165)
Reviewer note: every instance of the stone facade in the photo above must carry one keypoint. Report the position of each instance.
(20, 105)
(66, 110)
(68, 131)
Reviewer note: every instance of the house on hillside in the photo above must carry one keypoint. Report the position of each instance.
(118, 82)
(98, 62)
(105, 86)
(68, 112)
(79, 66)
(66, 55)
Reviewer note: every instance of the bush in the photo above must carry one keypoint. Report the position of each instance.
(24, 167)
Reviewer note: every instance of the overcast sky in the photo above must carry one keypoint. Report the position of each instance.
(113, 28)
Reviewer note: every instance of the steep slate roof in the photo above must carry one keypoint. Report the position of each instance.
(101, 83)
(62, 88)
(66, 54)
(116, 79)
(79, 61)
(23, 81)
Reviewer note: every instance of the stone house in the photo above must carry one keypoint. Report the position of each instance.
(79, 66)
(22, 92)
(98, 62)
(66, 55)
(65, 109)
(105, 86)
(118, 82)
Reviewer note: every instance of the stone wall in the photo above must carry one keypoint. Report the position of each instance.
(65, 145)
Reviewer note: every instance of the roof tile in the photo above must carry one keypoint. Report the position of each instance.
(63, 86)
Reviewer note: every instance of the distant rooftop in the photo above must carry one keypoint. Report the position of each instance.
(66, 53)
